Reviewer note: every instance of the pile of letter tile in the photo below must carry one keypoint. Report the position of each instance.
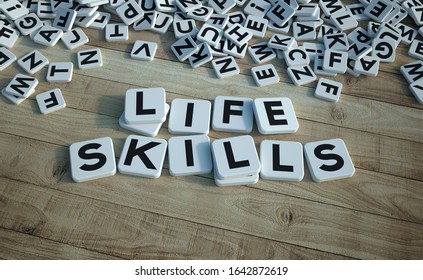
(312, 38)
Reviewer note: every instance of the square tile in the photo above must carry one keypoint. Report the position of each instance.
(238, 34)
(28, 24)
(264, 75)
(296, 56)
(281, 160)
(189, 116)
(163, 21)
(129, 12)
(235, 157)
(357, 10)
(145, 105)
(233, 114)
(337, 41)
(275, 115)
(378, 10)
(328, 160)
(184, 47)
(21, 86)
(257, 25)
(202, 56)
(225, 67)
(142, 156)
(304, 30)
(92, 159)
(60, 72)
(328, 90)
(344, 20)
(412, 71)
(261, 52)
(48, 36)
(408, 34)
(147, 129)
(144, 50)
(64, 19)
(416, 89)
(189, 155)
(368, 66)
(335, 61)
(74, 38)
(6, 58)
(88, 59)
(210, 34)
(50, 101)
(33, 62)
(13, 9)
(115, 32)
(280, 13)
(318, 66)
(301, 75)
(384, 49)
(281, 42)
(257, 8)
(184, 27)
(8, 36)
(44, 9)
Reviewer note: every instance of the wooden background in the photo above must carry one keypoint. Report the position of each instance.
(376, 214)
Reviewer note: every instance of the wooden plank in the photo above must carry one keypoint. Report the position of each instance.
(369, 151)
(394, 88)
(367, 191)
(352, 112)
(22, 246)
(254, 211)
(127, 232)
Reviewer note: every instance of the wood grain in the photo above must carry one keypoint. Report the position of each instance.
(126, 232)
(260, 213)
(25, 246)
(376, 214)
